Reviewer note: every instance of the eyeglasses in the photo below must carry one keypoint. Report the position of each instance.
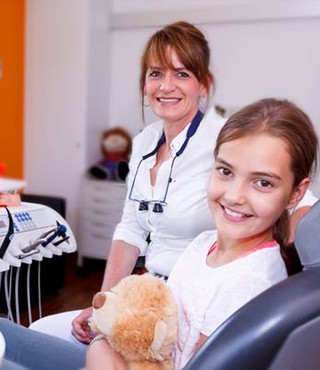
(159, 204)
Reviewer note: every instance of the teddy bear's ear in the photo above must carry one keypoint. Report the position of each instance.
(159, 335)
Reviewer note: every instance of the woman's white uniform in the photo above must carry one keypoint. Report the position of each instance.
(185, 212)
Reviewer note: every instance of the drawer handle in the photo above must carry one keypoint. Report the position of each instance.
(98, 212)
(97, 188)
(95, 223)
(97, 200)
(98, 236)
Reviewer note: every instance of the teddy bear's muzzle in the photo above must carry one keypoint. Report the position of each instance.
(99, 300)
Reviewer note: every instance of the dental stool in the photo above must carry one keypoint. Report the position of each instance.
(280, 328)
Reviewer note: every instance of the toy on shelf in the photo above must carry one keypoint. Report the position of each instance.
(116, 145)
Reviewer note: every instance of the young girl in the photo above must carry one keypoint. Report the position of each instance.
(264, 157)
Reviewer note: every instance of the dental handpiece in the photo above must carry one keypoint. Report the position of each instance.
(61, 229)
(33, 245)
(41, 239)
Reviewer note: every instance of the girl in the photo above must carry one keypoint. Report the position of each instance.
(264, 157)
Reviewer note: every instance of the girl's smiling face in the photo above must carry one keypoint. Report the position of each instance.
(251, 185)
(173, 94)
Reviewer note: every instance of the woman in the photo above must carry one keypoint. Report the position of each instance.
(166, 205)
(169, 167)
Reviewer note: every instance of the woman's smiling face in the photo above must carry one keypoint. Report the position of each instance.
(251, 184)
(173, 94)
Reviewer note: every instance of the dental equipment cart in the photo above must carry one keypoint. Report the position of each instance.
(29, 234)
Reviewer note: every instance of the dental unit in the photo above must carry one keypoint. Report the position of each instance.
(28, 234)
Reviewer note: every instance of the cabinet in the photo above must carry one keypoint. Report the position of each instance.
(101, 210)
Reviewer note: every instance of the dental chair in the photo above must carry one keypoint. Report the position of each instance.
(280, 328)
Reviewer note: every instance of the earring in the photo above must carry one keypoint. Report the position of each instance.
(202, 103)
(145, 104)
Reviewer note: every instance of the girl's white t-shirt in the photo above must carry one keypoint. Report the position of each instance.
(207, 296)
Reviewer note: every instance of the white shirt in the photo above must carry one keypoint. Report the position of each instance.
(207, 296)
(187, 213)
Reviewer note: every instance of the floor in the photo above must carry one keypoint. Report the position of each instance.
(65, 287)
(78, 288)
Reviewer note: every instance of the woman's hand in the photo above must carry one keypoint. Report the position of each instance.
(100, 356)
(121, 261)
(80, 327)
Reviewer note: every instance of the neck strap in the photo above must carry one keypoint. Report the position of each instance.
(10, 232)
(191, 131)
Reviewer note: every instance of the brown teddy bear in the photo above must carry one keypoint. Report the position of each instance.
(139, 319)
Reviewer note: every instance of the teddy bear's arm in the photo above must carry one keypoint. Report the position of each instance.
(100, 356)
(160, 332)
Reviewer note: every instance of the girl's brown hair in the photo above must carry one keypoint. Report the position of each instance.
(284, 120)
(190, 45)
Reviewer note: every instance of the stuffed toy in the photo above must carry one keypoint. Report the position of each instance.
(138, 317)
(116, 148)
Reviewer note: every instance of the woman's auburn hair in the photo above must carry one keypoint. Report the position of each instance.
(190, 45)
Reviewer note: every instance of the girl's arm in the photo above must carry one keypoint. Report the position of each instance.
(201, 341)
(100, 356)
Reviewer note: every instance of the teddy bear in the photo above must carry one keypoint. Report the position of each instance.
(139, 319)
(116, 146)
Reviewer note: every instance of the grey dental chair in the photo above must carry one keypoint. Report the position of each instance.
(279, 329)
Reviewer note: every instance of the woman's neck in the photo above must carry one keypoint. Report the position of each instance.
(173, 129)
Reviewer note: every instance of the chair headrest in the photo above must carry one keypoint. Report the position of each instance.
(307, 238)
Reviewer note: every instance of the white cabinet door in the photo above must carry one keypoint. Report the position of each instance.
(102, 204)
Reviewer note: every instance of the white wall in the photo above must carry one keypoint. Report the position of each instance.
(98, 68)
(259, 48)
(66, 94)
(82, 71)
